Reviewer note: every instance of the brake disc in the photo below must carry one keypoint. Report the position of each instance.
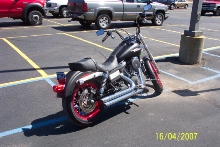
(85, 104)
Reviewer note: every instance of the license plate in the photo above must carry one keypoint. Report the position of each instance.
(60, 75)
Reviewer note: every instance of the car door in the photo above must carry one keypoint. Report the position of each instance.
(130, 10)
(11, 8)
(141, 4)
(5, 8)
(179, 3)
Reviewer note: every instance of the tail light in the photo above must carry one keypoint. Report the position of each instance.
(61, 77)
(58, 88)
(85, 9)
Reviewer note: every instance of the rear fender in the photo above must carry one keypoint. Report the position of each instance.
(71, 78)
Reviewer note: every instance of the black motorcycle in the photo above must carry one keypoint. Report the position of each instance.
(89, 86)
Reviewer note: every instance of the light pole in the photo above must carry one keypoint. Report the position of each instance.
(192, 41)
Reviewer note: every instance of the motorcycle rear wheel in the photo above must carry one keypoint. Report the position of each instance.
(153, 75)
(75, 106)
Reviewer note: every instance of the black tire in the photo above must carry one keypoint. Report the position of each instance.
(64, 12)
(35, 18)
(217, 12)
(85, 23)
(72, 109)
(24, 21)
(158, 19)
(153, 75)
(172, 6)
(203, 13)
(103, 21)
(55, 14)
(186, 6)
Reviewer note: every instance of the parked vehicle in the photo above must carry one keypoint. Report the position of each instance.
(211, 6)
(181, 3)
(57, 8)
(102, 13)
(29, 11)
(170, 3)
(90, 86)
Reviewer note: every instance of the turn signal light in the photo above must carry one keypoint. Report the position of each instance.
(58, 88)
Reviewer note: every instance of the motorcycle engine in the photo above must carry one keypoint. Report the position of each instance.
(135, 63)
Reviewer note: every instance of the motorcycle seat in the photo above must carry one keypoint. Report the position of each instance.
(89, 64)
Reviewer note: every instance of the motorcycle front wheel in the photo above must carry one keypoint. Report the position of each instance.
(153, 75)
(79, 108)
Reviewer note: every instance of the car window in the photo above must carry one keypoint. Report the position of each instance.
(142, 1)
(162, 1)
(130, 1)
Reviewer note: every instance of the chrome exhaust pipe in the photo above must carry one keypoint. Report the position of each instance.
(119, 96)
(123, 97)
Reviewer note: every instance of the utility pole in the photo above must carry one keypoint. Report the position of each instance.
(192, 41)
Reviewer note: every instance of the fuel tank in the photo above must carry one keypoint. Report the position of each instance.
(125, 51)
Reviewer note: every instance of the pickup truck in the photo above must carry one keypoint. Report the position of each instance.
(102, 12)
(57, 8)
(29, 11)
(211, 6)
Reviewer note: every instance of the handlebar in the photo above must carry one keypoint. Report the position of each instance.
(109, 33)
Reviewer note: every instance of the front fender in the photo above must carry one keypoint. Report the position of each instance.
(37, 7)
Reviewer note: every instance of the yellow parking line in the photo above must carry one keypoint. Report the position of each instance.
(11, 28)
(88, 41)
(166, 30)
(181, 33)
(200, 28)
(26, 58)
(35, 35)
(26, 80)
(57, 22)
(42, 35)
(162, 41)
(16, 37)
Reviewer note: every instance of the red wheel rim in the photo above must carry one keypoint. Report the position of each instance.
(75, 104)
(156, 75)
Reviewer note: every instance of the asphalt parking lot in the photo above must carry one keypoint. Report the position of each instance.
(187, 113)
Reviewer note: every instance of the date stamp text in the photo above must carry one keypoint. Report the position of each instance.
(187, 136)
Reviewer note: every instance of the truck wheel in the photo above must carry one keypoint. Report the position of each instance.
(186, 6)
(158, 19)
(217, 12)
(85, 23)
(103, 21)
(172, 7)
(203, 13)
(35, 18)
(64, 12)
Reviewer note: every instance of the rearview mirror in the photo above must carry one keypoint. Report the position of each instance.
(147, 7)
(100, 32)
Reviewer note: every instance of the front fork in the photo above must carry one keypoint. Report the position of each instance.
(141, 77)
(149, 54)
